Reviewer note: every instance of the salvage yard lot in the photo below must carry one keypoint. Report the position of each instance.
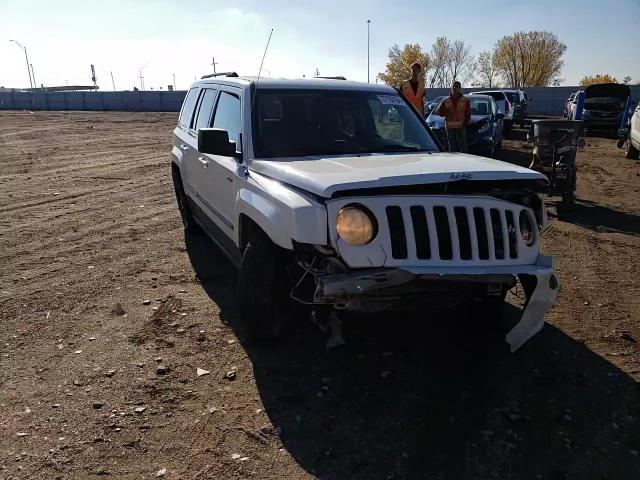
(106, 314)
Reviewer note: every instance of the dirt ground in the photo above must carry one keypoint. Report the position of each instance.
(106, 313)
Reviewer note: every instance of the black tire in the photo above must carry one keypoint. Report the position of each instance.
(631, 152)
(190, 226)
(264, 289)
(508, 127)
(621, 142)
(568, 198)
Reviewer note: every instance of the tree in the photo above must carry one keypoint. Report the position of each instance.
(599, 78)
(487, 69)
(626, 79)
(529, 59)
(440, 57)
(399, 64)
(461, 63)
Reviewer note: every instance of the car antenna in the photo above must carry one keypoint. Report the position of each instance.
(260, 71)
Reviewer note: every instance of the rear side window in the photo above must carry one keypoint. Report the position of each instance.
(228, 115)
(187, 107)
(203, 120)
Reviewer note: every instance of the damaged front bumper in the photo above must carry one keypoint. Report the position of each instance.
(355, 288)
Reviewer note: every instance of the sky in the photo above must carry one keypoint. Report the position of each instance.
(162, 38)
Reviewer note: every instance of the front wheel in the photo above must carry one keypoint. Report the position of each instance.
(631, 152)
(263, 289)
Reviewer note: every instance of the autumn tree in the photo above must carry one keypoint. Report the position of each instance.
(599, 78)
(400, 61)
(487, 69)
(529, 59)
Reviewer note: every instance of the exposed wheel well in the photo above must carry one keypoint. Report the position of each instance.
(247, 228)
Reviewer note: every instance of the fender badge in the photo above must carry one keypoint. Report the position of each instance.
(460, 176)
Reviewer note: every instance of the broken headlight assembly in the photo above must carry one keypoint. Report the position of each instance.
(527, 229)
(356, 225)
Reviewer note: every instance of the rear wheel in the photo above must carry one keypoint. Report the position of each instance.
(264, 290)
(190, 226)
(631, 152)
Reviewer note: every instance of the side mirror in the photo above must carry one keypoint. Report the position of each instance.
(215, 141)
(499, 116)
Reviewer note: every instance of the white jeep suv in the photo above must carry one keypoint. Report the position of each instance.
(322, 198)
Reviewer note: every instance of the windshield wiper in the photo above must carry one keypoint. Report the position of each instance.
(398, 148)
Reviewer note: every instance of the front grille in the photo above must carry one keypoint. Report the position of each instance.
(445, 232)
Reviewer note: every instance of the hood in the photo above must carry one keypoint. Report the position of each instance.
(607, 90)
(324, 176)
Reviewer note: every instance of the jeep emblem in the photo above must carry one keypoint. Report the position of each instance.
(460, 176)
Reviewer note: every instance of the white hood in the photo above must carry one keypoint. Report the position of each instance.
(324, 176)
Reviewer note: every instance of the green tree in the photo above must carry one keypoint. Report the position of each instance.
(400, 61)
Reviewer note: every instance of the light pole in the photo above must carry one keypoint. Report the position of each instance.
(368, 25)
(26, 58)
(34, 76)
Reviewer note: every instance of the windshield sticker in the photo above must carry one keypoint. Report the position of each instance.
(390, 100)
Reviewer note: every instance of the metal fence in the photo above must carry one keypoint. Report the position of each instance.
(546, 100)
(93, 101)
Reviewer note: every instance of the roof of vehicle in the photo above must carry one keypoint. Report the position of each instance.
(302, 83)
(486, 92)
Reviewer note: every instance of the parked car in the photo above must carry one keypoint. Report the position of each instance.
(567, 105)
(604, 106)
(504, 105)
(430, 105)
(318, 203)
(484, 132)
(520, 103)
(633, 137)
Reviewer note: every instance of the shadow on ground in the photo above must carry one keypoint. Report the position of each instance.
(434, 396)
(598, 217)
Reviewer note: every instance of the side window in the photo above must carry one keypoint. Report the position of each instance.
(203, 120)
(186, 114)
(227, 115)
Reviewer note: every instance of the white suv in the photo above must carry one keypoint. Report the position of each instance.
(321, 199)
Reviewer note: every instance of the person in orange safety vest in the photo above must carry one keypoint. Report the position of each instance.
(456, 112)
(413, 88)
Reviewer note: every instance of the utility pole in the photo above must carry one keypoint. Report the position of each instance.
(26, 58)
(317, 72)
(33, 74)
(113, 82)
(214, 63)
(174, 81)
(368, 43)
(141, 81)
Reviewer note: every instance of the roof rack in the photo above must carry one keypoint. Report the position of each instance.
(333, 78)
(221, 74)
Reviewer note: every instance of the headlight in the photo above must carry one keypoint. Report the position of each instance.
(527, 229)
(356, 225)
(484, 128)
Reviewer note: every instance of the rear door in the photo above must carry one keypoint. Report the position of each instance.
(197, 163)
(219, 179)
(183, 141)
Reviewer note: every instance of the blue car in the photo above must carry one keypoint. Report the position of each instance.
(484, 131)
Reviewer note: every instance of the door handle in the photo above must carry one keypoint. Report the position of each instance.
(203, 161)
(184, 147)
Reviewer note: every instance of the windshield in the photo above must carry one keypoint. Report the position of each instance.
(513, 97)
(479, 106)
(496, 95)
(296, 123)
